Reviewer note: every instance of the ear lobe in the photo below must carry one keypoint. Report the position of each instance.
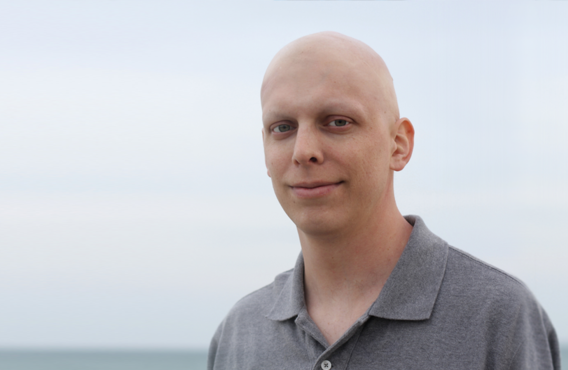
(268, 173)
(404, 144)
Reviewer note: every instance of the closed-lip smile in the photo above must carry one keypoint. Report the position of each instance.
(314, 189)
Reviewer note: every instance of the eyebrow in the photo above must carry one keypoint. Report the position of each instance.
(352, 108)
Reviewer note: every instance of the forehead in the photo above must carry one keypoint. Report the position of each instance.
(324, 84)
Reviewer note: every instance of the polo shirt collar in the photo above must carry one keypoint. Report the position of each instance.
(290, 300)
(412, 287)
(409, 293)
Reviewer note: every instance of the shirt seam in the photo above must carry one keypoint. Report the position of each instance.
(483, 264)
(512, 361)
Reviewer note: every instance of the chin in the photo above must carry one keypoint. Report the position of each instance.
(319, 225)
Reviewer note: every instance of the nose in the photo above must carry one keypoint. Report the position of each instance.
(307, 146)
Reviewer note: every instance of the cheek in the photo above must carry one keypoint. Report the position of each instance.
(275, 161)
(371, 161)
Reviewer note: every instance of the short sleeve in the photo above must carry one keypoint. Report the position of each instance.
(539, 348)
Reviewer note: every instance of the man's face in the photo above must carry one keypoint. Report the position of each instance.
(327, 143)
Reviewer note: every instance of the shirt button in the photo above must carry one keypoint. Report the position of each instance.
(326, 365)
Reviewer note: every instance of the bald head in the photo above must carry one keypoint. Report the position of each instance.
(346, 62)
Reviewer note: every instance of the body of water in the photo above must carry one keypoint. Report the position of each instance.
(103, 360)
(116, 360)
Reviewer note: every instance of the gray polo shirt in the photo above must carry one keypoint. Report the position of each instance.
(440, 309)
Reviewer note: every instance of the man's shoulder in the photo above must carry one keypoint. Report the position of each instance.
(257, 304)
(248, 321)
(464, 269)
(498, 308)
(475, 285)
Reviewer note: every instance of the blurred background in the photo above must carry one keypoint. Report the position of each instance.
(134, 203)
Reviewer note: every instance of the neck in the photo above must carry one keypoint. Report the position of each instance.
(344, 274)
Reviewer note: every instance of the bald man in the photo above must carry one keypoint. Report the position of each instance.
(371, 289)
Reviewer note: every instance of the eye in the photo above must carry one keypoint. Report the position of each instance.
(338, 123)
(282, 128)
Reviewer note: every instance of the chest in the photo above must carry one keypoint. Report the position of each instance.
(375, 344)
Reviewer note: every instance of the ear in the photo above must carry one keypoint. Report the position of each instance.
(403, 141)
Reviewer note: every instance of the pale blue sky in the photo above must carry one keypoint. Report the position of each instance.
(134, 204)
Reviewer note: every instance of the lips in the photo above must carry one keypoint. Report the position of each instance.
(314, 189)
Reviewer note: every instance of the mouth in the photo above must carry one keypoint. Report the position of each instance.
(314, 189)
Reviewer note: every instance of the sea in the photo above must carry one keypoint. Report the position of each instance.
(115, 360)
(102, 360)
